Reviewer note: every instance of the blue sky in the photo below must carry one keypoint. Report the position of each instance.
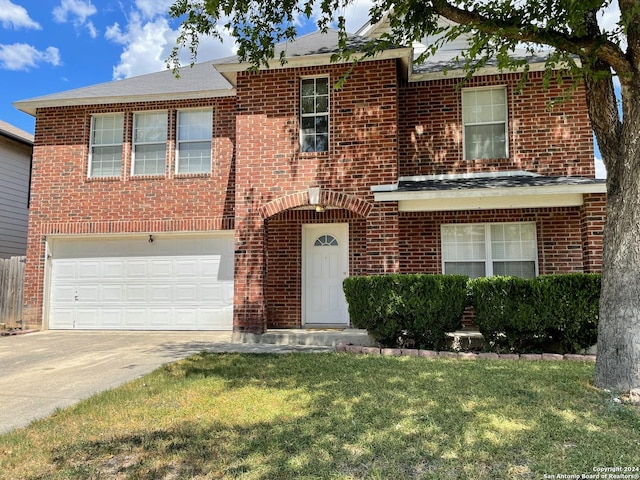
(49, 46)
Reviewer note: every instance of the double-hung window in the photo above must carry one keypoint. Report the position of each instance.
(149, 143)
(314, 115)
(484, 115)
(483, 250)
(105, 145)
(194, 141)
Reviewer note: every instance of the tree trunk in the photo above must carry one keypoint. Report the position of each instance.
(618, 355)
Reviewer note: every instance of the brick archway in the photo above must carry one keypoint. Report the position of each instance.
(325, 198)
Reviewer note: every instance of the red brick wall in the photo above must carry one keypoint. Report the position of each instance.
(559, 235)
(64, 200)
(548, 140)
(362, 152)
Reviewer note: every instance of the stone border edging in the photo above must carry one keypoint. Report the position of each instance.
(412, 352)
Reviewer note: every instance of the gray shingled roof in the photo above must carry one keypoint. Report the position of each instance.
(446, 60)
(201, 80)
(515, 181)
(316, 43)
(15, 133)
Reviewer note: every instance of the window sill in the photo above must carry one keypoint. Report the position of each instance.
(103, 179)
(148, 177)
(193, 175)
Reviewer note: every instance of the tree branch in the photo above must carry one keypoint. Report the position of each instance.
(583, 46)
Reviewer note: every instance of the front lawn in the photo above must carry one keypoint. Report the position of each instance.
(335, 416)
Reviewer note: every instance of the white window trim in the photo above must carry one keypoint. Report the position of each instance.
(92, 145)
(465, 156)
(134, 143)
(178, 142)
(487, 245)
(306, 115)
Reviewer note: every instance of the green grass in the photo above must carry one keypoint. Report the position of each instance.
(334, 416)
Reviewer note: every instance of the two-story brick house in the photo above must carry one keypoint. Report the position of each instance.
(227, 199)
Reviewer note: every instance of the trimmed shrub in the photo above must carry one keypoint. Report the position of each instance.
(505, 314)
(550, 312)
(410, 309)
(569, 306)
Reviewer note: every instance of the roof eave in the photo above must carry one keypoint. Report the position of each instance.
(393, 196)
(230, 70)
(30, 106)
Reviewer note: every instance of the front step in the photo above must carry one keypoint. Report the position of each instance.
(460, 340)
(309, 337)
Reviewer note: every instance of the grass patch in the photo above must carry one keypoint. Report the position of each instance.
(334, 416)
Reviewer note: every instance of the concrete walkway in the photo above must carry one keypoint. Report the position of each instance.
(43, 371)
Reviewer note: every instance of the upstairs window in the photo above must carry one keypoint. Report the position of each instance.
(194, 141)
(484, 250)
(149, 143)
(484, 115)
(105, 145)
(314, 115)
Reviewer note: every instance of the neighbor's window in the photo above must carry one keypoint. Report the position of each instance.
(105, 145)
(483, 250)
(314, 115)
(194, 141)
(149, 143)
(484, 115)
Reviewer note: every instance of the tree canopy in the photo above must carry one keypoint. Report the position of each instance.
(572, 36)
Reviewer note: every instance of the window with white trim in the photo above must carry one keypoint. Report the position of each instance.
(484, 250)
(149, 154)
(105, 145)
(193, 141)
(314, 114)
(484, 116)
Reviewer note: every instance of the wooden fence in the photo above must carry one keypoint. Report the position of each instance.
(11, 287)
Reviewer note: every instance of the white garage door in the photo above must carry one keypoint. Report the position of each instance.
(128, 283)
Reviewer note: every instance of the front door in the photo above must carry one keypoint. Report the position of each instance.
(325, 260)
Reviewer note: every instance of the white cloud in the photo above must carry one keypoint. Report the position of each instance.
(148, 43)
(76, 11)
(357, 14)
(16, 16)
(151, 8)
(20, 56)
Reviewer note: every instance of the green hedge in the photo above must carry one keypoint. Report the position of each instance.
(547, 313)
(558, 312)
(412, 309)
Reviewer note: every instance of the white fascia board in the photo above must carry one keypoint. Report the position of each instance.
(30, 107)
(230, 70)
(491, 203)
(476, 193)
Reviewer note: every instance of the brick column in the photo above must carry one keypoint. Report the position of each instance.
(383, 250)
(249, 303)
(593, 214)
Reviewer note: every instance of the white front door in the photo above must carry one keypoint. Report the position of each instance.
(325, 260)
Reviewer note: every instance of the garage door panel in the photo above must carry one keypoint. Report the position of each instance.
(136, 294)
(135, 317)
(160, 318)
(179, 283)
(161, 293)
(111, 317)
(187, 293)
(137, 269)
(161, 268)
(112, 293)
(113, 270)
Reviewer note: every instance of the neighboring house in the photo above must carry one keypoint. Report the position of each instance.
(16, 146)
(227, 199)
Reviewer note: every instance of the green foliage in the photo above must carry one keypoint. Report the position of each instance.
(531, 315)
(407, 309)
(569, 306)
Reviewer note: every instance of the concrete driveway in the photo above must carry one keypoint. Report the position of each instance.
(42, 371)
